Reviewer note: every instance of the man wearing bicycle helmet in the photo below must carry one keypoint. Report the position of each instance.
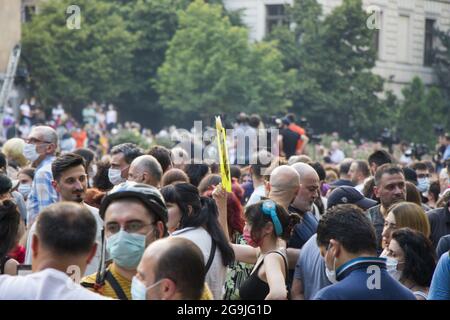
(135, 215)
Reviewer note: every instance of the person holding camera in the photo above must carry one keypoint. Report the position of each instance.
(441, 151)
(446, 155)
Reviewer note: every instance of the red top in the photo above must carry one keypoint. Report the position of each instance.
(80, 138)
(18, 254)
(301, 132)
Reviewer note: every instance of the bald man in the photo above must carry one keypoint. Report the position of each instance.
(284, 185)
(146, 169)
(170, 269)
(302, 204)
(40, 150)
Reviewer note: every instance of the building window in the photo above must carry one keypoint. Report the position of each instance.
(377, 34)
(28, 12)
(428, 52)
(376, 42)
(403, 39)
(275, 16)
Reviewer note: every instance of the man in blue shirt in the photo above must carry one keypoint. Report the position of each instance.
(446, 154)
(347, 242)
(440, 285)
(40, 150)
(310, 275)
(302, 204)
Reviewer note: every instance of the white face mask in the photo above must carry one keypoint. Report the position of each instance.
(391, 266)
(115, 176)
(138, 289)
(30, 153)
(24, 189)
(331, 274)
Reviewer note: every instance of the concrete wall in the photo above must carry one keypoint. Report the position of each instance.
(10, 29)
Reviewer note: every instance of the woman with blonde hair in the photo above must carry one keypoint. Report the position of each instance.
(404, 215)
(13, 150)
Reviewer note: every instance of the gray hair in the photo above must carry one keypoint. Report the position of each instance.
(48, 134)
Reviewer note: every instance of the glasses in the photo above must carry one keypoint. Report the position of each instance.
(35, 141)
(423, 175)
(130, 226)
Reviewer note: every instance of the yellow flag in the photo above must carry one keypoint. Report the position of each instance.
(223, 155)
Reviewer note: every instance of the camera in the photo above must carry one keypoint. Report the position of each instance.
(438, 129)
(388, 138)
(313, 138)
(419, 150)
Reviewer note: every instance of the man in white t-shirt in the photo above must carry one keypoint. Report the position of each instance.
(70, 182)
(64, 243)
(58, 112)
(111, 117)
(336, 154)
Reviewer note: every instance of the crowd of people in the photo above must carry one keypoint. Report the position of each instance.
(92, 221)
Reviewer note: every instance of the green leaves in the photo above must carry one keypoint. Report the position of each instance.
(332, 58)
(418, 112)
(76, 66)
(442, 69)
(211, 68)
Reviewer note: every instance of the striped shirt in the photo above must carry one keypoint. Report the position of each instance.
(42, 192)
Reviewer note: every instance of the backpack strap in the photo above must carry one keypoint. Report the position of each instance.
(115, 286)
(211, 255)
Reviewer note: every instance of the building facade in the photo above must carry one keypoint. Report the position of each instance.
(10, 30)
(405, 38)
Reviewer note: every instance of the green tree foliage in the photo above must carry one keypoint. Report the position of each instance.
(333, 58)
(418, 112)
(120, 69)
(442, 68)
(78, 65)
(153, 23)
(211, 68)
(131, 136)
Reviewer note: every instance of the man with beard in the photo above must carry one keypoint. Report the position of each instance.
(302, 204)
(70, 182)
(389, 188)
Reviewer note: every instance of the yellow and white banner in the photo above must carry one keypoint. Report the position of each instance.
(223, 155)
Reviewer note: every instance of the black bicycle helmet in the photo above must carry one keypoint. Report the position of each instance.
(148, 195)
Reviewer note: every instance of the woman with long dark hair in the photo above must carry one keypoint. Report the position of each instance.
(415, 260)
(268, 226)
(196, 218)
(9, 227)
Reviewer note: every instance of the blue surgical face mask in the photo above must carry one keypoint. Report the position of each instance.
(24, 189)
(126, 249)
(138, 289)
(423, 184)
